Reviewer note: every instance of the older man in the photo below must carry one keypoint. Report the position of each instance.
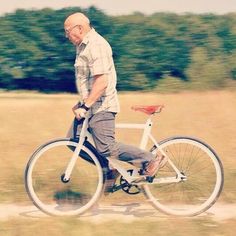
(96, 82)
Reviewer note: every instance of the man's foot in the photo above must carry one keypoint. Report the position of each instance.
(154, 165)
(112, 176)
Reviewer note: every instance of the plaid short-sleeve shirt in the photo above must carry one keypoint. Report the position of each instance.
(94, 57)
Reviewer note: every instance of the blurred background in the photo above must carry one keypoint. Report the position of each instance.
(158, 51)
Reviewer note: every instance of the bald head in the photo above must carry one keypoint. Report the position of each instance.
(77, 18)
(76, 27)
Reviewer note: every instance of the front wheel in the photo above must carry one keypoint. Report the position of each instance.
(44, 179)
(201, 186)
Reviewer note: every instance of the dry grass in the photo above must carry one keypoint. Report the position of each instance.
(28, 120)
(74, 227)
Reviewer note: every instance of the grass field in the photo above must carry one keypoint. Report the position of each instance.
(30, 119)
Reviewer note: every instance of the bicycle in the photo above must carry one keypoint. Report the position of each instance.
(61, 182)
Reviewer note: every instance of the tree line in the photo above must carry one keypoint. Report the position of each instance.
(162, 50)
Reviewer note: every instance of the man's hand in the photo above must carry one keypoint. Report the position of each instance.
(80, 113)
(80, 110)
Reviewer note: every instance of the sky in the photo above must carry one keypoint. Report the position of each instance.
(120, 7)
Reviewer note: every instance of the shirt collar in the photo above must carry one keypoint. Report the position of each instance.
(88, 36)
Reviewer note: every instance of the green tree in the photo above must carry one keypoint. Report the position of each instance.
(205, 72)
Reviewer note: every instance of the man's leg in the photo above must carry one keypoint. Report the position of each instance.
(102, 127)
(145, 160)
(134, 155)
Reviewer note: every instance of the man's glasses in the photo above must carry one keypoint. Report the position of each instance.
(68, 31)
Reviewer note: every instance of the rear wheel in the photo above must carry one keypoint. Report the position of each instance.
(203, 183)
(44, 179)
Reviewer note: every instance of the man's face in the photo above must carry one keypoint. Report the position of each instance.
(73, 33)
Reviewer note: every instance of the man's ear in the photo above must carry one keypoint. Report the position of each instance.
(80, 29)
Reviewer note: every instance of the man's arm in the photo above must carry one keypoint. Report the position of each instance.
(98, 88)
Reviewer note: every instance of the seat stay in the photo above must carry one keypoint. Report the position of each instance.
(158, 148)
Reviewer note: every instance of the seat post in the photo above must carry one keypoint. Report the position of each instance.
(146, 132)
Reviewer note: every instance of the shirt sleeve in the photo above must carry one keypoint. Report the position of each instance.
(101, 57)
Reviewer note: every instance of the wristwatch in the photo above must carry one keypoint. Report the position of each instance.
(84, 107)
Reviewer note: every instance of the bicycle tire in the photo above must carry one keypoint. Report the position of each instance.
(198, 193)
(45, 187)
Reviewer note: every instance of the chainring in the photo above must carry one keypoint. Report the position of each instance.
(129, 188)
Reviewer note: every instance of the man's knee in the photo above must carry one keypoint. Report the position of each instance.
(108, 150)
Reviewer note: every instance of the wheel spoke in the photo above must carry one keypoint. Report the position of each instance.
(45, 183)
(203, 182)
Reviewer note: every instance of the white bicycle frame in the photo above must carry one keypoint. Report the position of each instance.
(116, 164)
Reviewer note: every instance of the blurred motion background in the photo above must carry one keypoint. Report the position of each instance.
(161, 51)
(184, 60)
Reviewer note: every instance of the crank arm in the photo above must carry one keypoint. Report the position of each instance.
(116, 188)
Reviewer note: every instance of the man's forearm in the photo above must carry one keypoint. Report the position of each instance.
(98, 88)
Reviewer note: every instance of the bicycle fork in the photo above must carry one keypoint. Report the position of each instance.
(65, 178)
